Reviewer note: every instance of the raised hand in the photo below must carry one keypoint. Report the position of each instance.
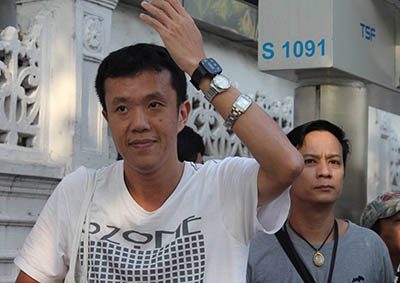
(178, 31)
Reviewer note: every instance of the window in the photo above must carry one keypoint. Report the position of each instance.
(237, 19)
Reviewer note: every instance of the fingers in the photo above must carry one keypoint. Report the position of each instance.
(165, 12)
(160, 28)
(176, 4)
(178, 31)
(157, 13)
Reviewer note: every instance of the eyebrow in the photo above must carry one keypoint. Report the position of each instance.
(155, 95)
(151, 96)
(117, 100)
(317, 156)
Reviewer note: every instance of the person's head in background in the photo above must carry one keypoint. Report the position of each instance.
(383, 216)
(190, 146)
(325, 149)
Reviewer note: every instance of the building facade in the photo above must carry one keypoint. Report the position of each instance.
(50, 117)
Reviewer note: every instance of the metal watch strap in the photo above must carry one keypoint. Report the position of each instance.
(218, 84)
(210, 94)
(236, 111)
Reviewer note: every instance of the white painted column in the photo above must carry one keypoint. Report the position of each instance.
(91, 145)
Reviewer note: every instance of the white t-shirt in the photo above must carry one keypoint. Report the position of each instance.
(200, 234)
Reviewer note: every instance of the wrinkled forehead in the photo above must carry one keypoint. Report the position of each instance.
(318, 142)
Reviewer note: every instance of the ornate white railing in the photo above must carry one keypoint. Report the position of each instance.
(218, 141)
(19, 88)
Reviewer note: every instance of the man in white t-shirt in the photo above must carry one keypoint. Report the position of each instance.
(153, 218)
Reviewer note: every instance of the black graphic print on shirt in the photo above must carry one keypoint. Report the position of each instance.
(181, 260)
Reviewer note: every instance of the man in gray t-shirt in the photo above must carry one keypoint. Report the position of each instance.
(331, 249)
(361, 257)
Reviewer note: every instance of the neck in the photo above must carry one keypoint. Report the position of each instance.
(395, 262)
(151, 189)
(312, 222)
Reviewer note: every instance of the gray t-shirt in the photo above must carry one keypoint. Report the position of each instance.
(361, 257)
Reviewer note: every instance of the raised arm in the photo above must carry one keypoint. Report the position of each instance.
(280, 163)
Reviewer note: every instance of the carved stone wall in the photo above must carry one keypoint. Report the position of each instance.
(218, 141)
(19, 95)
(93, 28)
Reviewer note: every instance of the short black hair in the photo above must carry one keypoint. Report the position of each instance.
(134, 59)
(298, 134)
(190, 144)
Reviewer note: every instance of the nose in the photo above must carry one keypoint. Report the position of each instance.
(139, 121)
(324, 170)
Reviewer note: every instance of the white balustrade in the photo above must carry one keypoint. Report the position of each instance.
(19, 89)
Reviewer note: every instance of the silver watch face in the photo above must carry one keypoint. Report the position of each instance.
(221, 82)
(243, 102)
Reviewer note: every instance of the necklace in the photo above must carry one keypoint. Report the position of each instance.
(318, 258)
(287, 245)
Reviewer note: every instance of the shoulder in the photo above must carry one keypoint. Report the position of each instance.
(262, 243)
(369, 238)
(265, 248)
(262, 238)
(232, 163)
(76, 182)
(357, 229)
(226, 165)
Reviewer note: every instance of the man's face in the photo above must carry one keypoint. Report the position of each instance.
(390, 233)
(322, 178)
(143, 119)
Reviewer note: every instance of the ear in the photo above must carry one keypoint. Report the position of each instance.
(105, 115)
(184, 110)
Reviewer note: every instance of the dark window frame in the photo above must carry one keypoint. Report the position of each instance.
(253, 2)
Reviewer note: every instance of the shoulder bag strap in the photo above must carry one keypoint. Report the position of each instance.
(74, 264)
(288, 247)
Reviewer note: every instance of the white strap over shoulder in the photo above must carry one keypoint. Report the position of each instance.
(76, 272)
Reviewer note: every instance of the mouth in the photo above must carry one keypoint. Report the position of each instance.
(142, 143)
(324, 187)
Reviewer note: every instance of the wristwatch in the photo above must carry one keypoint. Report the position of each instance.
(219, 84)
(207, 68)
(238, 108)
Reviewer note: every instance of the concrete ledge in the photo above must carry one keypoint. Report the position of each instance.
(6, 220)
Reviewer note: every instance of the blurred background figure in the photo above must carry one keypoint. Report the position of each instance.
(190, 146)
(383, 216)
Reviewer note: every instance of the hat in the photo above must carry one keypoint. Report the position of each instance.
(383, 206)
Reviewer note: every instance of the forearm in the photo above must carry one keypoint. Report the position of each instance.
(278, 159)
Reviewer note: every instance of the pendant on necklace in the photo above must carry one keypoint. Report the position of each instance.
(318, 259)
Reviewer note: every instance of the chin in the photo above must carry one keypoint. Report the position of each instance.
(143, 167)
(328, 200)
